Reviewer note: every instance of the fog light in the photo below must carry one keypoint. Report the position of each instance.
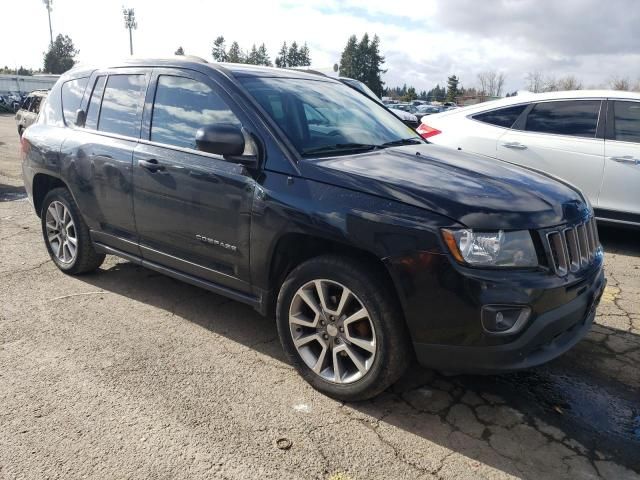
(504, 319)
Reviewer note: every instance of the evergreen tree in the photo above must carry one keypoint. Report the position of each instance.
(263, 56)
(304, 56)
(252, 58)
(235, 54)
(219, 51)
(282, 60)
(410, 95)
(348, 58)
(179, 51)
(60, 56)
(452, 88)
(362, 61)
(293, 57)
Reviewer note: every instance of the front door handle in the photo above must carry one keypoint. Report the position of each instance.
(152, 165)
(626, 159)
(514, 145)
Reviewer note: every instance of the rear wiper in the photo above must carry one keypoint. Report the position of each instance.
(340, 147)
(403, 141)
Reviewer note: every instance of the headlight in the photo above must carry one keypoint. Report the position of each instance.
(491, 249)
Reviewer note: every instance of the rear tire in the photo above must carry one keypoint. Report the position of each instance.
(342, 328)
(66, 235)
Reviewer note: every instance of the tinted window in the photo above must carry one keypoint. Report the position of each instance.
(94, 103)
(72, 92)
(51, 108)
(577, 118)
(627, 121)
(27, 103)
(35, 105)
(181, 107)
(121, 105)
(502, 117)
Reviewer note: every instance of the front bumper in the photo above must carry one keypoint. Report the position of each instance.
(549, 336)
(442, 307)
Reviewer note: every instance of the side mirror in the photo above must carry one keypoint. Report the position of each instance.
(81, 117)
(221, 139)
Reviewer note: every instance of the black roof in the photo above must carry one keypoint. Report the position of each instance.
(237, 70)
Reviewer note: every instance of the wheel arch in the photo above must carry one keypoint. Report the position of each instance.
(294, 248)
(42, 184)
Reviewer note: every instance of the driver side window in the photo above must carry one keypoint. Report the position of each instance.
(183, 105)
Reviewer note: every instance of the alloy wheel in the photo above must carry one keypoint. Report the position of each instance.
(61, 232)
(332, 331)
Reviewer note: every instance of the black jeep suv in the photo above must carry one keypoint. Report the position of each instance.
(305, 199)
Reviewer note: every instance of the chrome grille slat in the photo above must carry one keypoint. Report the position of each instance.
(574, 247)
(582, 241)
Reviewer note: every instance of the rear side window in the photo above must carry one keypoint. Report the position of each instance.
(94, 103)
(502, 117)
(578, 118)
(182, 106)
(626, 121)
(27, 103)
(121, 108)
(35, 105)
(72, 92)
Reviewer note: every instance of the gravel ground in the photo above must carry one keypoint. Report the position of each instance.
(125, 373)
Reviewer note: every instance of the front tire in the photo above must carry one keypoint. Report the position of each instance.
(342, 328)
(66, 235)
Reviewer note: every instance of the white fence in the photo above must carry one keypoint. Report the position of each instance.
(26, 83)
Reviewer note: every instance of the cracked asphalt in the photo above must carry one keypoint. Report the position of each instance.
(126, 373)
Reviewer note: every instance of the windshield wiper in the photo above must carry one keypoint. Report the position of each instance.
(341, 147)
(403, 141)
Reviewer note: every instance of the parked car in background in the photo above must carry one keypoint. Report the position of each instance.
(405, 115)
(29, 110)
(423, 110)
(588, 138)
(312, 203)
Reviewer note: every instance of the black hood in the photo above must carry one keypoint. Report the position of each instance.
(479, 192)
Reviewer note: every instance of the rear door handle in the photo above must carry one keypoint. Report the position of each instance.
(515, 145)
(152, 165)
(626, 159)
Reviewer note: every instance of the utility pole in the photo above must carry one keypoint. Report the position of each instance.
(49, 5)
(130, 24)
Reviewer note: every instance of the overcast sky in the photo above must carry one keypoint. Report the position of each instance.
(423, 41)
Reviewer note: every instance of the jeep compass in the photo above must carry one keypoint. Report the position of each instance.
(312, 203)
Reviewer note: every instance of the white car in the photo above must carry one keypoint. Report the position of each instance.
(591, 139)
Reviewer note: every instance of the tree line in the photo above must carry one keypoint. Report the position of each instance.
(361, 59)
(288, 56)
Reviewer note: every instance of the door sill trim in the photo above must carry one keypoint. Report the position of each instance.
(256, 302)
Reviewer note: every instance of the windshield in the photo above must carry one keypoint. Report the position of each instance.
(327, 118)
(362, 87)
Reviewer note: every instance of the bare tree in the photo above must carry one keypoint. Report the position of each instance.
(569, 82)
(491, 83)
(550, 84)
(620, 83)
(535, 82)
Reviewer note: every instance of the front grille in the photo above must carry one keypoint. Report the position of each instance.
(573, 248)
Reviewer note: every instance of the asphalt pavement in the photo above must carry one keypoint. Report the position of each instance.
(125, 373)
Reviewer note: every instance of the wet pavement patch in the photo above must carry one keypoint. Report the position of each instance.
(602, 414)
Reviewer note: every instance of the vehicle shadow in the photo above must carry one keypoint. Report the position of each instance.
(514, 422)
(620, 240)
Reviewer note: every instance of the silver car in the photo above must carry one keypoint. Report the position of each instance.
(30, 109)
